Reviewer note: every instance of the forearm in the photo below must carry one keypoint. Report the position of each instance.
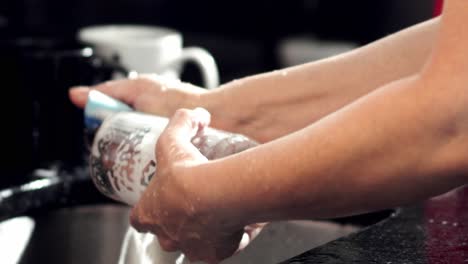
(391, 147)
(311, 91)
(402, 143)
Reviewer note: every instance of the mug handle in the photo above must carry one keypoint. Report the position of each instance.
(205, 61)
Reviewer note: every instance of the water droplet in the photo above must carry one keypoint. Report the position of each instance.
(431, 221)
(444, 222)
(455, 224)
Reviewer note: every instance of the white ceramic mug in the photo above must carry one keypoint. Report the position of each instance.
(148, 49)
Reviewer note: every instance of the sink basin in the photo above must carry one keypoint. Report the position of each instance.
(83, 234)
(95, 233)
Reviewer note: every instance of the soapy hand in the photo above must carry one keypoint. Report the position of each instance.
(174, 206)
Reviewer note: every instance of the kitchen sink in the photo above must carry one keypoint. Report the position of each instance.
(61, 218)
(82, 234)
(94, 234)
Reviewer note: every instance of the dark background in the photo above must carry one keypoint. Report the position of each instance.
(241, 34)
(41, 126)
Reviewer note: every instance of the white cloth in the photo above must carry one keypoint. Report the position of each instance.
(277, 242)
(140, 248)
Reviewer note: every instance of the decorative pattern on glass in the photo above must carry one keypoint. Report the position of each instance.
(123, 157)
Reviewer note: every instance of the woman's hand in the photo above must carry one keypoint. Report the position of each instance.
(175, 207)
(147, 93)
(157, 95)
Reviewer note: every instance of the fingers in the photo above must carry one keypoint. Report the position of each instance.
(185, 124)
(174, 144)
(167, 244)
(212, 250)
(138, 222)
(146, 93)
(79, 96)
(197, 242)
(124, 90)
(196, 248)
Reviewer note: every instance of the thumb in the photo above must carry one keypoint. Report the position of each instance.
(175, 142)
(185, 124)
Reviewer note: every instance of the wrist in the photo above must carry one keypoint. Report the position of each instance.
(210, 197)
(184, 95)
(230, 108)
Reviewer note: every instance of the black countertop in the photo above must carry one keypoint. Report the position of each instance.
(47, 189)
(435, 231)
